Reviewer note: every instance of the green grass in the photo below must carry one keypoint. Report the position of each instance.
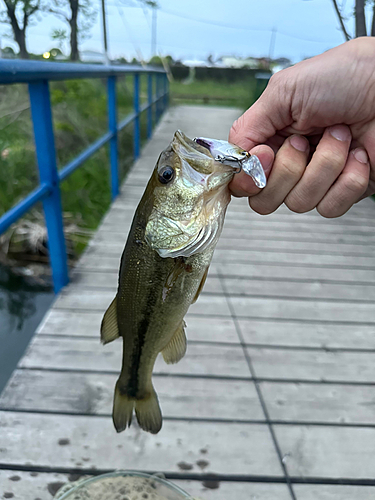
(235, 94)
(79, 109)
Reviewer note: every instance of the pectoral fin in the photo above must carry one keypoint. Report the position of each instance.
(109, 328)
(201, 285)
(176, 348)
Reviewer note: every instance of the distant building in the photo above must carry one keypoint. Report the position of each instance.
(194, 63)
(237, 62)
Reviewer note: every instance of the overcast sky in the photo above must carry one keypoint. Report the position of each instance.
(194, 29)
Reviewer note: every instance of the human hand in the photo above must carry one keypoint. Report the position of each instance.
(319, 118)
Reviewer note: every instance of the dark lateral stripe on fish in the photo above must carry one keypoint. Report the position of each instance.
(139, 343)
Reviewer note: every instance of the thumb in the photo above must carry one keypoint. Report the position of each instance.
(270, 113)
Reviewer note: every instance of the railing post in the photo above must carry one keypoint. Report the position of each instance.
(157, 107)
(149, 109)
(165, 89)
(46, 158)
(113, 144)
(167, 98)
(137, 129)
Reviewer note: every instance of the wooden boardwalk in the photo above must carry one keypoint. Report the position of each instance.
(276, 395)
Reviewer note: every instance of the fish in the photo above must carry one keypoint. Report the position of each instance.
(163, 268)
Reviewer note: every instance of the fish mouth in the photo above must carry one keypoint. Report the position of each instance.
(199, 165)
(198, 157)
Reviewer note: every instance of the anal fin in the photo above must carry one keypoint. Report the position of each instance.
(109, 328)
(176, 348)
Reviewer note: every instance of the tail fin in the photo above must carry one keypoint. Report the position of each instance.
(147, 411)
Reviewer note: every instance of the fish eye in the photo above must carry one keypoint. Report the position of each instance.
(166, 174)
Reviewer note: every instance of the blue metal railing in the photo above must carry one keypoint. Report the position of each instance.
(37, 75)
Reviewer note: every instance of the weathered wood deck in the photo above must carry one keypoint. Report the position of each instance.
(276, 395)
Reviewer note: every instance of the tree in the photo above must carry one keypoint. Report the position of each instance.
(360, 18)
(80, 19)
(18, 13)
(60, 36)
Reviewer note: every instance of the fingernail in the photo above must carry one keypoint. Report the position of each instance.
(299, 143)
(340, 132)
(360, 155)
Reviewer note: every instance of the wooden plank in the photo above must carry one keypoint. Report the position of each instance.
(334, 452)
(240, 491)
(79, 323)
(286, 272)
(92, 393)
(96, 280)
(307, 310)
(99, 301)
(316, 365)
(315, 290)
(295, 333)
(87, 354)
(243, 256)
(93, 442)
(69, 323)
(320, 403)
(333, 492)
(29, 486)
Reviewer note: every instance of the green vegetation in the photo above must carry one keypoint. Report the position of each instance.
(235, 94)
(79, 110)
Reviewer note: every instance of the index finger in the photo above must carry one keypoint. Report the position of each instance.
(270, 113)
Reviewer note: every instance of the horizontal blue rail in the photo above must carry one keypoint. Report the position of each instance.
(37, 75)
(15, 71)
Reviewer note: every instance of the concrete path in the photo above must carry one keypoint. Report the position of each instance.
(275, 396)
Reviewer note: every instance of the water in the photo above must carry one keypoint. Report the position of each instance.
(23, 304)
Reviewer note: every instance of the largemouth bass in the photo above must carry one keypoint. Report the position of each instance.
(164, 266)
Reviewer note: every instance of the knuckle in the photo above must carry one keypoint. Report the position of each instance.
(355, 183)
(235, 129)
(328, 211)
(261, 205)
(273, 81)
(289, 169)
(297, 204)
(331, 160)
